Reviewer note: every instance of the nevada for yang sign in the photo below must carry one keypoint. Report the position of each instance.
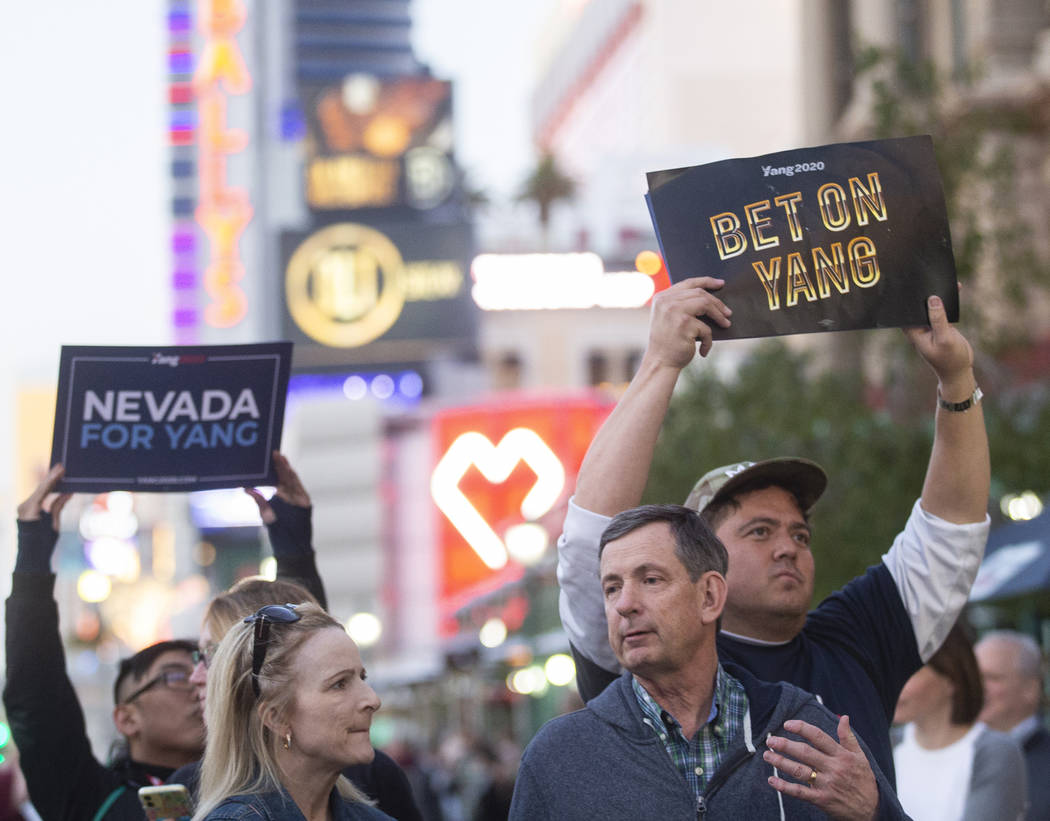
(170, 418)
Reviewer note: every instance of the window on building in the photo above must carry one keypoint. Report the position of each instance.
(842, 58)
(508, 372)
(597, 368)
(910, 30)
(959, 59)
(631, 363)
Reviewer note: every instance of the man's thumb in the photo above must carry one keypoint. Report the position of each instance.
(846, 736)
(935, 311)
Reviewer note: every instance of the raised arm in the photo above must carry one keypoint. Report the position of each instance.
(46, 719)
(288, 520)
(616, 467)
(935, 559)
(959, 473)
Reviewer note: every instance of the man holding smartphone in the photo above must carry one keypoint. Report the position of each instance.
(156, 708)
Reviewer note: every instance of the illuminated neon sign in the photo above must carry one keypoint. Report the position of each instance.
(346, 285)
(182, 138)
(532, 282)
(495, 464)
(502, 475)
(223, 212)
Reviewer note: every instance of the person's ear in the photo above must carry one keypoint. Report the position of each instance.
(127, 720)
(712, 590)
(1031, 693)
(271, 718)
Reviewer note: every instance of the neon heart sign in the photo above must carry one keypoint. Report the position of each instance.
(496, 462)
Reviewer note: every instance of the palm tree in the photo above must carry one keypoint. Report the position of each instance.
(545, 186)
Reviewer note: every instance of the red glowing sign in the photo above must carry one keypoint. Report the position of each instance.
(503, 474)
(223, 212)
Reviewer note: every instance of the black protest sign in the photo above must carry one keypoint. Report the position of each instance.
(173, 418)
(837, 237)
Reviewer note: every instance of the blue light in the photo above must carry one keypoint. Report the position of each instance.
(355, 388)
(382, 387)
(183, 118)
(181, 169)
(410, 385)
(399, 388)
(180, 62)
(293, 124)
(183, 206)
(179, 22)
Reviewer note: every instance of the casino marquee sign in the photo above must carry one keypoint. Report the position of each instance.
(377, 294)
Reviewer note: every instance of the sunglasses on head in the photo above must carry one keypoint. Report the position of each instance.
(262, 619)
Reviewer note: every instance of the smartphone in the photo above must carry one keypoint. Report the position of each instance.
(168, 802)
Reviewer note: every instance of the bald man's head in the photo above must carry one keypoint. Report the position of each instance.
(1011, 667)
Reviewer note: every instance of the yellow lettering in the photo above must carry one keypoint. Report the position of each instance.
(797, 281)
(833, 270)
(351, 182)
(229, 308)
(346, 283)
(223, 212)
(863, 264)
(870, 198)
(833, 210)
(432, 280)
(215, 136)
(221, 60)
(224, 227)
(769, 279)
(221, 276)
(221, 17)
(789, 202)
(729, 238)
(757, 224)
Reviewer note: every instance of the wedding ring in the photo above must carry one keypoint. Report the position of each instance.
(812, 777)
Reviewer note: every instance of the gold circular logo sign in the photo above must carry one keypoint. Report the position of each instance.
(345, 285)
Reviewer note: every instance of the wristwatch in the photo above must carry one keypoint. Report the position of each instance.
(959, 407)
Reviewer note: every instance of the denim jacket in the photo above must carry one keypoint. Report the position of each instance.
(279, 806)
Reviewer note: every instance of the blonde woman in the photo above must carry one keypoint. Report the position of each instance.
(287, 709)
(287, 517)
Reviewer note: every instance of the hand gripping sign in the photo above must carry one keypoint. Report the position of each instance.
(831, 238)
(167, 419)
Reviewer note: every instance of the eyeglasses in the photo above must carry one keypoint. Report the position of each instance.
(262, 619)
(204, 656)
(172, 679)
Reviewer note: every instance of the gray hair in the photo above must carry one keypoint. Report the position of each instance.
(696, 545)
(1029, 656)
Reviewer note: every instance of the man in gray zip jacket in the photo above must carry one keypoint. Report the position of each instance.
(680, 736)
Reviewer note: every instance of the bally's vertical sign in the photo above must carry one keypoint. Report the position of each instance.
(170, 419)
(837, 237)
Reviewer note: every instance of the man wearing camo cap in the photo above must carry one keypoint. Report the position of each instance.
(859, 646)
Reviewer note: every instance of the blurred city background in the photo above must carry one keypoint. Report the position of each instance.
(440, 203)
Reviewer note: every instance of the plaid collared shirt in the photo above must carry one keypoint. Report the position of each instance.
(699, 757)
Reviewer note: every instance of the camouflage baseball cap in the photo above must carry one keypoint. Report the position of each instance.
(802, 477)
